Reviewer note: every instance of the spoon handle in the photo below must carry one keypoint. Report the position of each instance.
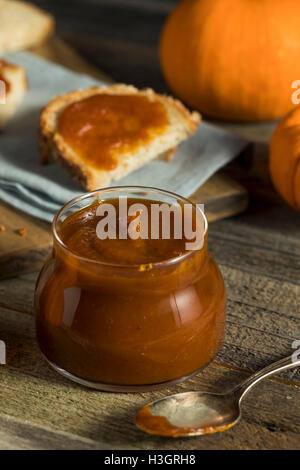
(286, 363)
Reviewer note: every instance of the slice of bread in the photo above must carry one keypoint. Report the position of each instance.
(13, 86)
(180, 125)
(23, 25)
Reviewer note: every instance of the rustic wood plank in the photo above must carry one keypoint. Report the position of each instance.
(17, 293)
(109, 419)
(254, 259)
(22, 253)
(221, 196)
(279, 232)
(248, 289)
(19, 434)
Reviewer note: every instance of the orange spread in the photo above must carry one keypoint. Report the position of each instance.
(101, 126)
(7, 84)
(161, 426)
(78, 232)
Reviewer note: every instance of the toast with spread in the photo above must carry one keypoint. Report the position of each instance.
(103, 133)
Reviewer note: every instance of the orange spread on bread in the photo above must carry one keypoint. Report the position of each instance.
(103, 125)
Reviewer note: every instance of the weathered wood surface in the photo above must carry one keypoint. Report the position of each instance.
(22, 253)
(257, 251)
(15, 434)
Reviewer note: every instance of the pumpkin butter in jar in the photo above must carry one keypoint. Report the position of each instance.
(125, 304)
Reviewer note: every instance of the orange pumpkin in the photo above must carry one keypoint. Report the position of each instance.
(233, 59)
(285, 158)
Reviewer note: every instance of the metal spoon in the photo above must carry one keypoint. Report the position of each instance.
(197, 413)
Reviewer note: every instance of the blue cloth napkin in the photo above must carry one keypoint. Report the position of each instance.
(42, 190)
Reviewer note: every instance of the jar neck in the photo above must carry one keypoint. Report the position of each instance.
(173, 273)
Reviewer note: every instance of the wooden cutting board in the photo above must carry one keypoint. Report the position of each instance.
(25, 250)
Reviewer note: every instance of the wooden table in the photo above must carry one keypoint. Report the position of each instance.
(259, 255)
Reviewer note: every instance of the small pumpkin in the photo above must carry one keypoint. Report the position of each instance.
(233, 59)
(285, 158)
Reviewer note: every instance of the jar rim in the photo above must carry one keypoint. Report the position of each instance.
(108, 189)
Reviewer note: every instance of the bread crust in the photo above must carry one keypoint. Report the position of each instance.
(34, 25)
(52, 145)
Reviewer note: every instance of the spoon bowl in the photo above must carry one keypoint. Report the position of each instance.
(198, 413)
(189, 414)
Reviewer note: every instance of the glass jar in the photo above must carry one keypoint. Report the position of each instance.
(128, 327)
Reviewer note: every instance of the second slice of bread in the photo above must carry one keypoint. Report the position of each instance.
(23, 25)
(181, 124)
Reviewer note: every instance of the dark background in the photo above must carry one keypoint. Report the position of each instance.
(119, 36)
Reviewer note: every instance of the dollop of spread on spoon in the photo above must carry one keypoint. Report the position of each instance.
(161, 426)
